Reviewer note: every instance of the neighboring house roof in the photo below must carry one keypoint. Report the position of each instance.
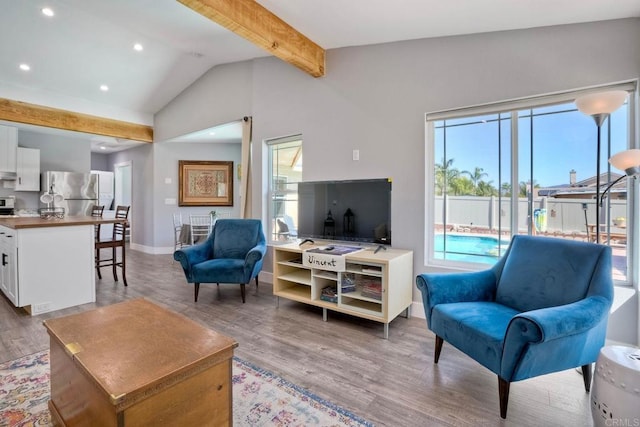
(586, 187)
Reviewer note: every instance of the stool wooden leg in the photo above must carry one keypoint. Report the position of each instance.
(124, 268)
(98, 264)
(113, 263)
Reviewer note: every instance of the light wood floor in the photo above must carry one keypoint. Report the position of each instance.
(390, 382)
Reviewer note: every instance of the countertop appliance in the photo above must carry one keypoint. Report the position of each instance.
(7, 205)
(79, 190)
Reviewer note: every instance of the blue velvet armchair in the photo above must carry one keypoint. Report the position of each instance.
(232, 253)
(542, 308)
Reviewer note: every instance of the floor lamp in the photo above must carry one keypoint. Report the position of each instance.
(600, 106)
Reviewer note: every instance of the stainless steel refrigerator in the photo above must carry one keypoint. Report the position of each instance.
(79, 190)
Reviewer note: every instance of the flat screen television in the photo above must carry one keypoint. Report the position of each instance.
(351, 211)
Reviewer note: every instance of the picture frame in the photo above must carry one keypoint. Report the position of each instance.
(205, 183)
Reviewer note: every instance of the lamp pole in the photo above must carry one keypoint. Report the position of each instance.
(599, 119)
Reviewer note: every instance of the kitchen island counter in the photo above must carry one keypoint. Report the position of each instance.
(67, 221)
(49, 264)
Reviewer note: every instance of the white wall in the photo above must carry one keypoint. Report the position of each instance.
(374, 98)
(168, 155)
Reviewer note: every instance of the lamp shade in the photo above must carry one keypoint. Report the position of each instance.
(628, 161)
(601, 103)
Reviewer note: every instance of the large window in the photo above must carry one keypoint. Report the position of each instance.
(285, 172)
(527, 167)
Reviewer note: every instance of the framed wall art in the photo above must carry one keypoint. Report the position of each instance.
(205, 183)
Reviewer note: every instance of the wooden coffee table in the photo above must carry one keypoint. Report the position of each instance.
(135, 363)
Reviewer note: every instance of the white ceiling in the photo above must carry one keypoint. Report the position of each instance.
(90, 42)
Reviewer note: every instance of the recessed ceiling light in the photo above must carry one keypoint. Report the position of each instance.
(138, 47)
(25, 67)
(47, 11)
(104, 88)
(103, 148)
(212, 133)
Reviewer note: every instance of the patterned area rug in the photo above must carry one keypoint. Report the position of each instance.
(260, 398)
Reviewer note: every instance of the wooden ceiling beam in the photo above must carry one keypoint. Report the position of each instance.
(32, 114)
(249, 19)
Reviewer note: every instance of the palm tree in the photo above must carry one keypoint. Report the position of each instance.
(476, 176)
(505, 189)
(525, 187)
(445, 175)
(485, 188)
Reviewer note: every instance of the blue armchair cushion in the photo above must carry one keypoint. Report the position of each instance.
(480, 325)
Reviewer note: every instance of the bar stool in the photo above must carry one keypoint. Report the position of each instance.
(117, 241)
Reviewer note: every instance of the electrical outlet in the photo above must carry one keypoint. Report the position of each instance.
(356, 154)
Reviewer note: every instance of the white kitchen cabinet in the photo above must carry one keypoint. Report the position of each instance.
(8, 146)
(8, 255)
(27, 169)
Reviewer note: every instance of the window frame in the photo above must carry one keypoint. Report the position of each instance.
(271, 192)
(513, 106)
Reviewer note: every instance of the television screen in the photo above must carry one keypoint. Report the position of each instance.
(354, 211)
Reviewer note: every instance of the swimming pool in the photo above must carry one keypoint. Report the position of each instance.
(483, 249)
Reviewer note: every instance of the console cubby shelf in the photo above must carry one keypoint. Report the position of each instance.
(387, 274)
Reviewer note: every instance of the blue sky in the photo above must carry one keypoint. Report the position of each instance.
(562, 141)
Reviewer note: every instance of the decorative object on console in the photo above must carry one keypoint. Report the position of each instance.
(348, 223)
(205, 183)
(515, 319)
(600, 106)
(329, 230)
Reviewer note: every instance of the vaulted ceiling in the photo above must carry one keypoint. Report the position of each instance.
(90, 43)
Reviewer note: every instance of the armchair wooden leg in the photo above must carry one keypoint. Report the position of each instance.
(196, 289)
(256, 282)
(586, 377)
(503, 392)
(242, 291)
(439, 342)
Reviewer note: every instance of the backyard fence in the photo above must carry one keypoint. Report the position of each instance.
(561, 215)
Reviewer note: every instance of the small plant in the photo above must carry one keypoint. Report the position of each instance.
(213, 214)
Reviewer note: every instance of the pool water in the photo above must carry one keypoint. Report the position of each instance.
(483, 249)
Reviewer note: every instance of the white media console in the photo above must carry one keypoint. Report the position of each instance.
(375, 285)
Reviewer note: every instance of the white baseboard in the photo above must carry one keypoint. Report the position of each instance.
(153, 250)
